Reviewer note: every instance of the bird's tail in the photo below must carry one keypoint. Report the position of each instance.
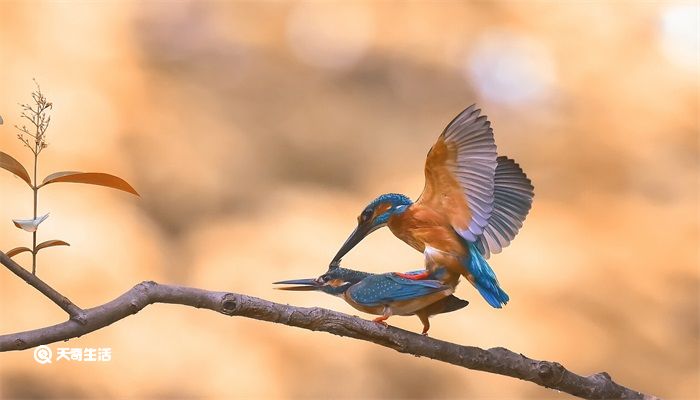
(484, 279)
(454, 303)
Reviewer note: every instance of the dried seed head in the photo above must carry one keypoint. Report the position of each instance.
(37, 115)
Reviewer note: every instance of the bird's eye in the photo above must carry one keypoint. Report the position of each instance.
(323, 278)
(365, 216)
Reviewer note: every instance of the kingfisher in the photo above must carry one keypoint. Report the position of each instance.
(384, 294)
(473, 204)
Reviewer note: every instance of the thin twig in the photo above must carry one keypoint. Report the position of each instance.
(40, 120)
(76, 313)
(35, 190)
(497, 360)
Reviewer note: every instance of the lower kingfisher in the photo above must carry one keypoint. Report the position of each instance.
(473, 204)
(384, 294)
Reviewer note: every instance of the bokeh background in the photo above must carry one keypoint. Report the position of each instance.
(257, 131)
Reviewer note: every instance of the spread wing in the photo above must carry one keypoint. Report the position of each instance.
(385, 288)
(459, 174)
(513, 193)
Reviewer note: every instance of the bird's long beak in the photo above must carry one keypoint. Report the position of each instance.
(304, 285)
(355, 237)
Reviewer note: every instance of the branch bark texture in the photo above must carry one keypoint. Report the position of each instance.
(496, 360)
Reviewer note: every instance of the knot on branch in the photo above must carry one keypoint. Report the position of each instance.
(229, 303)
(318, 318)
(147, 285)
(20, 344)
(604, 375)
(143, 292)
(550, 372)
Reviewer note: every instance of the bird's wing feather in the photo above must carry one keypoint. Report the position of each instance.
(459, 174)
(513, 193)
(386, 288)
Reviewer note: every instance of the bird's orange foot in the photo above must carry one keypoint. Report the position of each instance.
(381, 321)
(414, 277)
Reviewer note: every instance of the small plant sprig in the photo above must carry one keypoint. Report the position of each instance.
(33, 137)
(39, 119)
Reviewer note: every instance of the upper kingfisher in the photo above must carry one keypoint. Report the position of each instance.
(384, 294)
(473, 204)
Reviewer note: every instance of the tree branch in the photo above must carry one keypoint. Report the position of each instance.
(76, 313)
(497, 360)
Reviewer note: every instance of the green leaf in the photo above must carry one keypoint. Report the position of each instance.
(17, 250)
(8, 162)
(91, 178)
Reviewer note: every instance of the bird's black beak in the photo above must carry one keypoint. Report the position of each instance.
(356, 237)
(304, 285)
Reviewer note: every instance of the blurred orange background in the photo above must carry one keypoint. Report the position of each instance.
(257, 131)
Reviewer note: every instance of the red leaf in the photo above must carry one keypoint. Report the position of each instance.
(91, 178)
(9, 163)
(17, 250)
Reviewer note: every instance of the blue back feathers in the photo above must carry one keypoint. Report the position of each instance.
(387, 288)
(485, 279)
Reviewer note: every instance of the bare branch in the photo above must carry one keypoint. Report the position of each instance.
(497, 360)
(75, 312)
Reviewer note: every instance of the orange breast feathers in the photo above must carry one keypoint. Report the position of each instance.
(420, 227)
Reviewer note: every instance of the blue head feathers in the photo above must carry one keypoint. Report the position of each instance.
(373, 217)
(384, 207)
